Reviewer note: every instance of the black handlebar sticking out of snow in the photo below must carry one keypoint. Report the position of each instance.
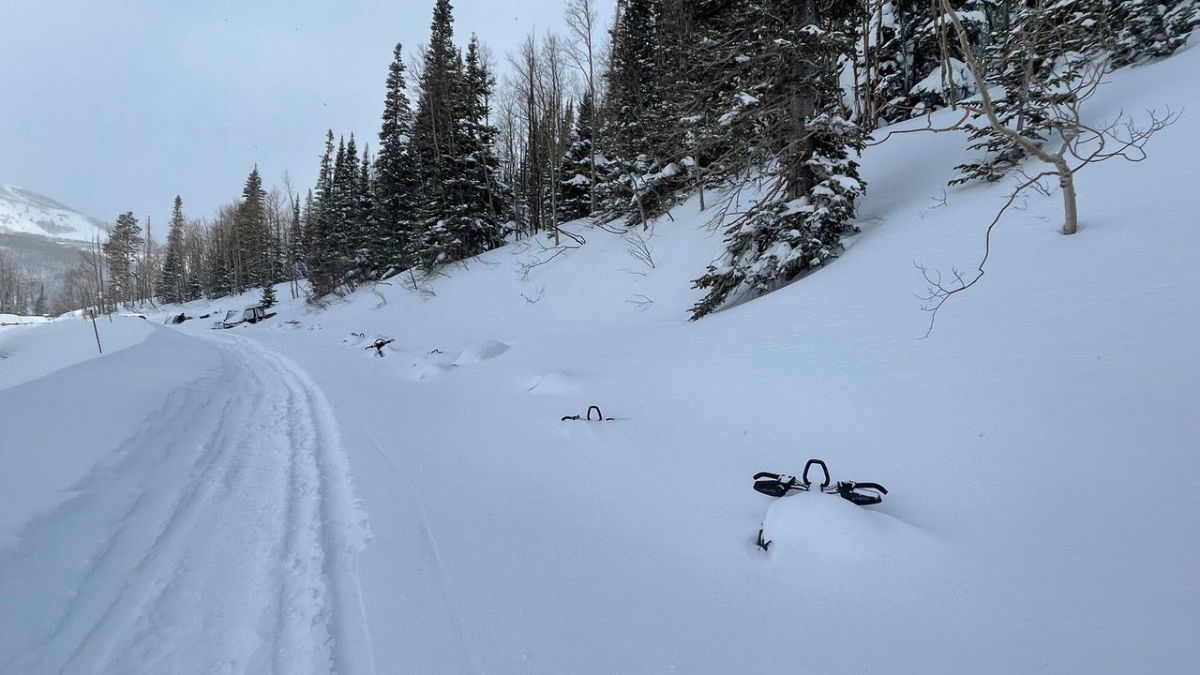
(599, 416)
(824, 469)
(378, 346)
(778, 485)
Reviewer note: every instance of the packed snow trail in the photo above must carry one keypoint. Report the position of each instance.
(220, 537)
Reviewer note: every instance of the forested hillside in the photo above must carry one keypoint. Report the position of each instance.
(618, 123)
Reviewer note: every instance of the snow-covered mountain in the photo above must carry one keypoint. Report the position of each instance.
(42, 237)
(24, 211)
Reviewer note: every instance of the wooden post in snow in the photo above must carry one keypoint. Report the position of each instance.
(96, 331)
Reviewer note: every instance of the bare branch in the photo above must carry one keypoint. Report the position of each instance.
(937, 292)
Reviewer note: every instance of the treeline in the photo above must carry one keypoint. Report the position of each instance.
(20, 293)
(622, 122)
(252, 243)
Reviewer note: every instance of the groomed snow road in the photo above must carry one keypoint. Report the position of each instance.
(220, 537)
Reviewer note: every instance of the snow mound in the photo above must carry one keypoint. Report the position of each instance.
(810, 525)
(34, 351)
(486, 350)
(551, 384)
(430, 366)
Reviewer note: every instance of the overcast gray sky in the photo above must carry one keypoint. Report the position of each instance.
(118, 105)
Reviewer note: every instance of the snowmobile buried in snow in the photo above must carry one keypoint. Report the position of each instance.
(378, 346)
(599, 416)
(779, 485)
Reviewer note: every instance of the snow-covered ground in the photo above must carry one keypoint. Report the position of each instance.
(11, 320)
(278, 497)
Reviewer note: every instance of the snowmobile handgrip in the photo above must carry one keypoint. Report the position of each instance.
(765, 474)
(824, 469)
(871, 486)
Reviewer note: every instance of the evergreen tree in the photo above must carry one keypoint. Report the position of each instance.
(435, 136)
(1182, 18)
(453, 143)
(938, 67)
(916, 62)
(268, 296)
(367, 226)
(320, 253)
(475, 222)
(397, 181)
(39, 306)
(220, 256)
(783, 59)
(1149, 29)
(297, 239)
(634, 105)
(119, 251)
(347, 232)
(575, 168)
(171, 285)
(252, 236)
(193, 263)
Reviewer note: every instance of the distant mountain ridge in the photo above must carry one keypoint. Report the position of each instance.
(23, 211)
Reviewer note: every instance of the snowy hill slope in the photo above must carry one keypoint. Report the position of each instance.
(41, 237)
(23, 211)
(319, 507)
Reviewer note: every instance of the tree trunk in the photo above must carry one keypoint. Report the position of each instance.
(1066, 179)
(801, 106)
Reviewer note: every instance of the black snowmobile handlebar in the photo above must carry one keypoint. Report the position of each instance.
(778, 485)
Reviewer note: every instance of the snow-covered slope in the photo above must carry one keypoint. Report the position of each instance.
(277, 497)
(23, 211)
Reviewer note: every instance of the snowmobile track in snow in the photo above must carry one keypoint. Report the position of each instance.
(221, 537)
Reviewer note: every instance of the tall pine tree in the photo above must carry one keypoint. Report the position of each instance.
(320, 252)
(634, 110)
(253, 236)
(171, 285)
(120, 252)
(398, 182)
(461, 207)
(575, 168)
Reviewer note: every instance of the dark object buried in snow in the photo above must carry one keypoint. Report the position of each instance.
(252, 314)
(599, 416)
(378, 346)
(178, 318)
(779, 485)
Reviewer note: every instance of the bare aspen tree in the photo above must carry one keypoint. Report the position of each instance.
(534, 163)
(554, 130)
(1065, 118)
(1079, 145)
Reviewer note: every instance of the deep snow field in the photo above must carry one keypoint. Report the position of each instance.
(278, 498)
